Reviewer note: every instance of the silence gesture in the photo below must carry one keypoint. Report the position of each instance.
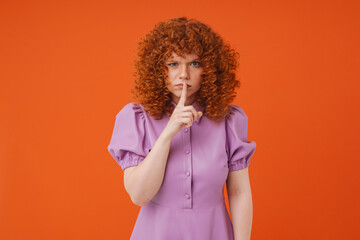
(183, 116)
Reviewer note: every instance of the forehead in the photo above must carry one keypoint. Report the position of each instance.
(174, 56)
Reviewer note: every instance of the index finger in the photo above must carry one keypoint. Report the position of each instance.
(183, 95)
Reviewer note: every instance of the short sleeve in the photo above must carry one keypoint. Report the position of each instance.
(239, 150)
(128, 141)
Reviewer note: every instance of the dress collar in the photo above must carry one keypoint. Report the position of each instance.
(198, 108)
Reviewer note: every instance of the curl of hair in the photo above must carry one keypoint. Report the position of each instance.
(185, 36)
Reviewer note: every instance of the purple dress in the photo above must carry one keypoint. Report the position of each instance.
(190, 203)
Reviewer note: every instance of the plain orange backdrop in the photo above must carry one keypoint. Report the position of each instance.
(66, 71)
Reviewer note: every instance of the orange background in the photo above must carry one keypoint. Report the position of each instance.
(66, 71)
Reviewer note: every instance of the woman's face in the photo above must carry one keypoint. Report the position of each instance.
(188, 70)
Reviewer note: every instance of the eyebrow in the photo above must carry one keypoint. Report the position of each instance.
(196, 59)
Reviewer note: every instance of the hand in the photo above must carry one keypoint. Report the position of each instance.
(182, 116)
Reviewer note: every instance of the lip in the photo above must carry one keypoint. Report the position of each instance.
(180, 85)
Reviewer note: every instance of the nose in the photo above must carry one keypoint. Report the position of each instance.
(184, 72)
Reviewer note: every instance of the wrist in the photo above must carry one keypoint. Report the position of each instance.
(166, 136)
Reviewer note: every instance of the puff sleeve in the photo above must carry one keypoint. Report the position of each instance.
(128, 141)
(239, 150)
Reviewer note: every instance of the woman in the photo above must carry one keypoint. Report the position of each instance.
(184, 141)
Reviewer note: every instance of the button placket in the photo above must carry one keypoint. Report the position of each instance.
(187, 168)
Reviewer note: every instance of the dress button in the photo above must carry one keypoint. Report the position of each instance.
(187, 196)
(187, 173)
(187, 151)
(186, 130)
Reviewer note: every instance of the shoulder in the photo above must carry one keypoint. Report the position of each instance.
(131, 109)
(236, 123)
(236, 114)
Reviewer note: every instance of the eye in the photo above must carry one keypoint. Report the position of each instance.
(198, 64)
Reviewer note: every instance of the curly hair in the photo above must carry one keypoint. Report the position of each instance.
(185, 36)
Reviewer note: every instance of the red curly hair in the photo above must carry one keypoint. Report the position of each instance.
(185, 36)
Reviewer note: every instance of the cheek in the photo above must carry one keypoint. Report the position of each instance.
(171, 76)
(198, 73)
(198, 76)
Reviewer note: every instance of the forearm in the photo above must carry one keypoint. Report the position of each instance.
(241, 211)
(146, 179)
